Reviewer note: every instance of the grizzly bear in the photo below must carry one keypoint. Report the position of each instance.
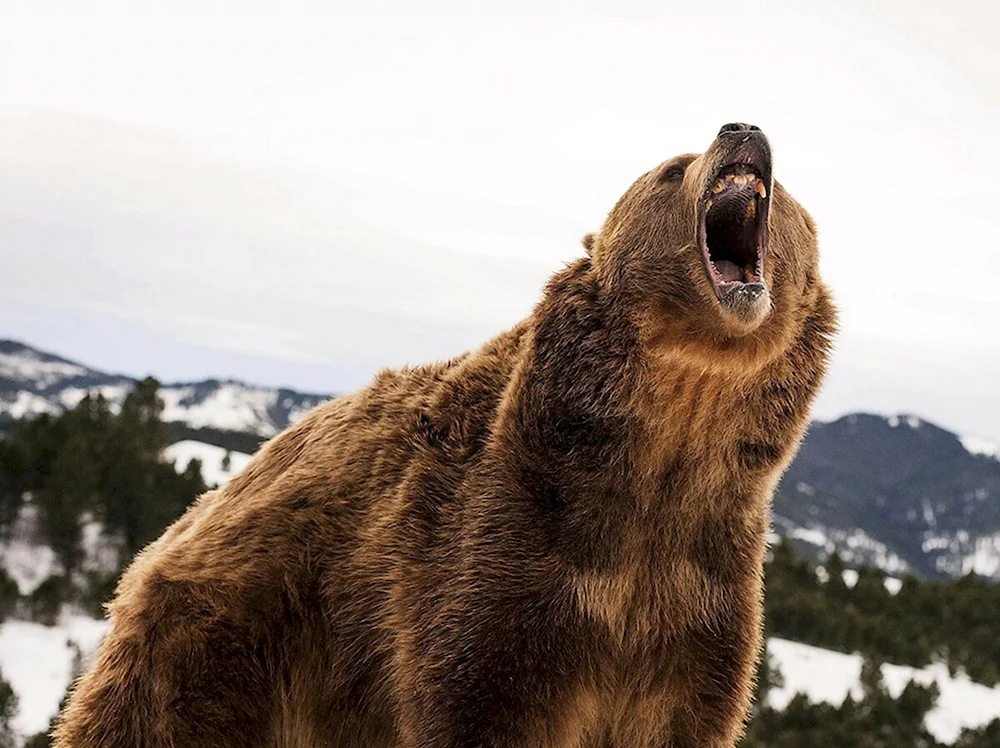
(554, 541)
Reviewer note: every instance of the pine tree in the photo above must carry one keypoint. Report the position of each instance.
(13, 480)
(142, 492)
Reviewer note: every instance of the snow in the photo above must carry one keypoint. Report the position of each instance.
(46, 385)
(296, 414)
(893, 585)
(30, 367)
(113, 393)
(828, 676)
(929, 517)
(978, 446)
(27, 404)
(37, 661)
(805, 488)
(985, 558)
(895, 421)
(855, 546)
(960, 554)
(850, 577)
(27, 560)
(231, 406)
(813, 537)
(211, 456)
(101, 553)
(861, 548)
(933, 542)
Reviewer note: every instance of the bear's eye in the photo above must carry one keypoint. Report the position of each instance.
(673, 173)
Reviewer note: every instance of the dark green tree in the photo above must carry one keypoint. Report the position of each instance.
(143, 493)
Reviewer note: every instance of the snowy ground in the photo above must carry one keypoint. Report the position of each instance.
(829, 676)
(38, 660)
(181, 453)
(27, 561)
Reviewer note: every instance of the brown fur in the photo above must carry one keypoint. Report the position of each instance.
(554, 541)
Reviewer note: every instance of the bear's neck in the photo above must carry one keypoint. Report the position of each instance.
(600, 427)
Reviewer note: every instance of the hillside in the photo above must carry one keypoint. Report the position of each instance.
(34, 382)
(897, 492)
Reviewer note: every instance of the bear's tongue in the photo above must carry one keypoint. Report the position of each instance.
(728, 271)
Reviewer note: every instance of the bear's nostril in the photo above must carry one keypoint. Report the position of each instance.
(737, 127)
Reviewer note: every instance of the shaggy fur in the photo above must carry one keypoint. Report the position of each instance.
(555, 541)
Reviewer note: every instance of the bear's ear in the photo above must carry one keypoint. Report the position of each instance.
(588, 243)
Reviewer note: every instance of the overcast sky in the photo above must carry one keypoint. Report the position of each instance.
(299, 198)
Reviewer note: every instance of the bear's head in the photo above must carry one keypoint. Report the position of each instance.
(717, 257)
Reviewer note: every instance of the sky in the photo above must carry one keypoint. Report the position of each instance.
(299, 195)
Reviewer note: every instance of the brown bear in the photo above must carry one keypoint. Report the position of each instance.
(554, 541)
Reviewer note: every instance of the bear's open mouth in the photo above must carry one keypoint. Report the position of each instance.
(733, 230)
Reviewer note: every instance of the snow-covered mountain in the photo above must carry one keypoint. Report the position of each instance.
(34, 382)
(897, 492)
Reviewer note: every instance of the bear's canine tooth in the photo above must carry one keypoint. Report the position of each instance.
(761, 189)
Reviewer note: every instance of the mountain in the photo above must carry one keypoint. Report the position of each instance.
(896, 492)
(34, 382)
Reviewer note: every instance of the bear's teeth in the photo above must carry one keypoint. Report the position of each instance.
(718, 186)
(761, 189)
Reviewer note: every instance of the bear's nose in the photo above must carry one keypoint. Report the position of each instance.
(737, 127)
